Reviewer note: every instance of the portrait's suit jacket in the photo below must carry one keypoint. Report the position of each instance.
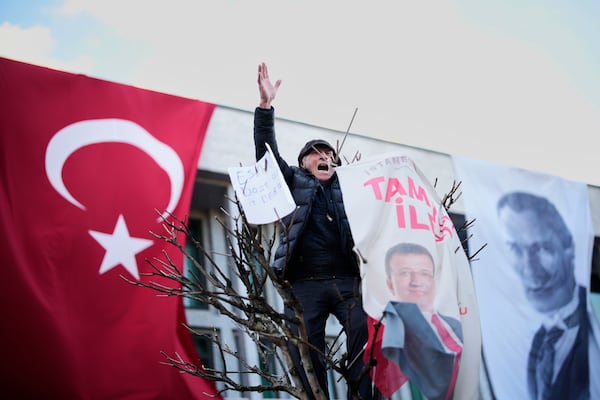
(411, 342)
(573, 379)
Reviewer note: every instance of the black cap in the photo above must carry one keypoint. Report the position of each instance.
(310, 145)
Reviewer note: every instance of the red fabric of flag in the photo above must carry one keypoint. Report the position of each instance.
(84, 163)
(386, 375)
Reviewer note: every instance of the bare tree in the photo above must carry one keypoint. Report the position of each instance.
(243, 300)
(448, 200)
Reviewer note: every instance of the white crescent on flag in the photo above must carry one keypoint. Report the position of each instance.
(110, 130)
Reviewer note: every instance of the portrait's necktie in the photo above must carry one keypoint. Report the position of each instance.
(451, 345)
(545, 370)
(447, 339)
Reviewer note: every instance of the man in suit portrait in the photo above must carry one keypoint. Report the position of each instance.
(542, 253)
(425, 344)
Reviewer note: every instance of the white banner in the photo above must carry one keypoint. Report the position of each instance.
(416, 275)
(262, 191)
(532, 276)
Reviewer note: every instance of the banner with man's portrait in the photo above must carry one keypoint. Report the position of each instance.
(532, 280)
(416, 280)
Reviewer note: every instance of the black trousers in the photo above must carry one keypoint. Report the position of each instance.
(339, 297)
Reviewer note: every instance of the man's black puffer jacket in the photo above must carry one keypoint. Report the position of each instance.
(303, 186)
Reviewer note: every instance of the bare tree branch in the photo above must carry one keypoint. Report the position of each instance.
(236, 290)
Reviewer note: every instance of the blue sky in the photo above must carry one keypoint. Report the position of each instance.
(513, 82)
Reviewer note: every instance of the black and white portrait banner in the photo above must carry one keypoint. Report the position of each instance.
(532, 280)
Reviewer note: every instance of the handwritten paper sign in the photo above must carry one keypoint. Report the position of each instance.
(262, 191)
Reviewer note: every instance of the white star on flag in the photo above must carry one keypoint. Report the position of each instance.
(120, 248)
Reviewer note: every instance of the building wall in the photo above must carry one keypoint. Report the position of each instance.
(229, 142)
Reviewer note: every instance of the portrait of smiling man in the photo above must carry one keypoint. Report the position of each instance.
(541, 250)
(424, 343)
(409, 271)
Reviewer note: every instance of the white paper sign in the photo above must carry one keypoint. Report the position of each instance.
(262, 191)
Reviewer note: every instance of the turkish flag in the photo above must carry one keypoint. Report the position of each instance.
(386, 375)
(84, 163)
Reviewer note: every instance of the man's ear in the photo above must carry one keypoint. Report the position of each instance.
(570, 253)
